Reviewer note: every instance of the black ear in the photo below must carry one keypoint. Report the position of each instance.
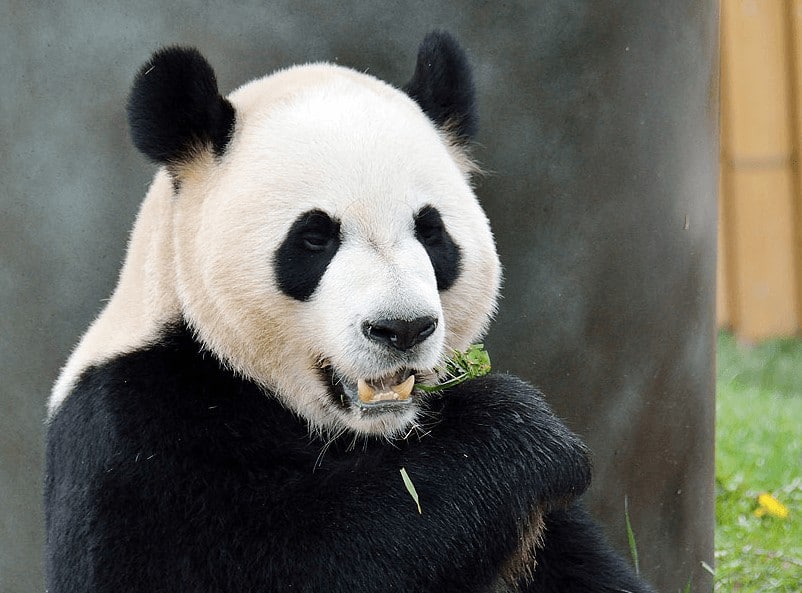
(443, 85)
(175, 109)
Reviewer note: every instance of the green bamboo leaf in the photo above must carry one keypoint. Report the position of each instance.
(461, 366)
(411, 488)
(633, 548)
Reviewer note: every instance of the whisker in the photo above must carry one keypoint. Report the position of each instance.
(328, 442)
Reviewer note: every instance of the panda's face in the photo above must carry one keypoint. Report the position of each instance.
(323, 238)
(336, 252)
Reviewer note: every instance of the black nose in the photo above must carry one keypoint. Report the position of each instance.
(399, 333)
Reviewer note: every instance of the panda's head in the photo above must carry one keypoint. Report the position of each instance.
(326, 240)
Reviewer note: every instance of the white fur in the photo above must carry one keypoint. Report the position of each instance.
(311, 137)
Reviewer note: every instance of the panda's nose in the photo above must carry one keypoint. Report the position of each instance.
(400, 334)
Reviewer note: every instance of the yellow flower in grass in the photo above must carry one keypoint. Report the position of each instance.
(768, 505)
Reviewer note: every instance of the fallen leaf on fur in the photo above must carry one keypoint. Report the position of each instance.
(411, 488)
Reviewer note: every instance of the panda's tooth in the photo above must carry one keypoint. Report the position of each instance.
(366, 392)
(385, 396)
(404, 390)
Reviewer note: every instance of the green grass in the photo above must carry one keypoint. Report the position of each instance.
(758, 449)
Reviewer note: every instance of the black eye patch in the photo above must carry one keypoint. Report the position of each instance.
(303, 257)
(443, 252)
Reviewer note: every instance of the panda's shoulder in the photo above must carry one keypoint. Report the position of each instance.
(170, 396)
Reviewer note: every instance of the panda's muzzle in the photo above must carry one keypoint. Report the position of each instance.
(396, 338)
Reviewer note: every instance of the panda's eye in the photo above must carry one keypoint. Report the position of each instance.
(317, 232)
(316, 242)
(429, 228)
(303, 257)
(443, 252)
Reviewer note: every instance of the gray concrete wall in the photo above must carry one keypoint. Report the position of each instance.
(598, 129)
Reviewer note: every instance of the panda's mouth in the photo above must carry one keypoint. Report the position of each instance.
(387, 392)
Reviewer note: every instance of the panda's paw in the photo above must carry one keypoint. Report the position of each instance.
(508, 421)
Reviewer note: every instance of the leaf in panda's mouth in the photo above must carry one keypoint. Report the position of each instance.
(397, 389)
(462, 366)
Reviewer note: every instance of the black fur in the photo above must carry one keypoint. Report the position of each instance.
(443, 85)
(166, 472)
(305, 253)
(576, 557)
(443, 252)
(175, 109)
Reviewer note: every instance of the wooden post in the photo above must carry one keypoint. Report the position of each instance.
(759, 269)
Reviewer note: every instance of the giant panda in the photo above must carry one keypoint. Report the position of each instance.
(242, 414)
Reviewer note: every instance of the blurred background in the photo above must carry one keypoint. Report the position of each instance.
(599, 130)
(759, 300)
(760, 211)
